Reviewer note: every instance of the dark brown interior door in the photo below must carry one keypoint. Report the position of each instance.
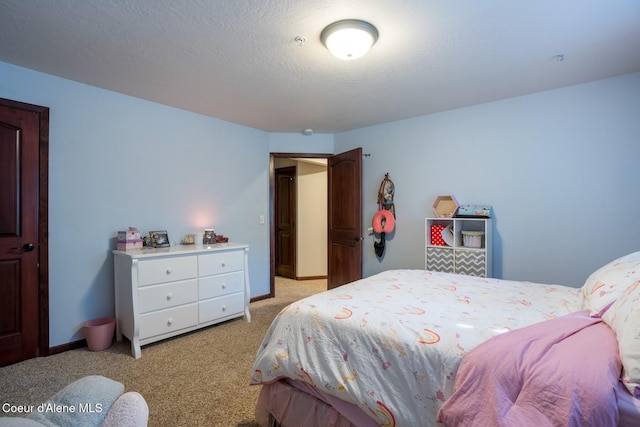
(344, 218)
(20, 306)
(285, 217)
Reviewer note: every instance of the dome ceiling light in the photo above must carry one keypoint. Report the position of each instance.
(349, 39)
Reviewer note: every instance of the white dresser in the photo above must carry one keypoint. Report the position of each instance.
(160, 293)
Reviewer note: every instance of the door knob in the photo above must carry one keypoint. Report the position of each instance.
(28, 247)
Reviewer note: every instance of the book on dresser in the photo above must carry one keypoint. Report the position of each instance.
(164, 292)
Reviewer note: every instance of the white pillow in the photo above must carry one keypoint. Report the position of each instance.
(624, 318)
(609, 282)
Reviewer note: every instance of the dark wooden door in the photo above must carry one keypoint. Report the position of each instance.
(285, 194)
(344, 186)
(21, 138)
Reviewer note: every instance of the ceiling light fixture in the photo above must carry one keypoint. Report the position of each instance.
(349, 39)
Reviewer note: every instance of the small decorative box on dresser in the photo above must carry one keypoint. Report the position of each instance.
(459, 245)
(163, 292)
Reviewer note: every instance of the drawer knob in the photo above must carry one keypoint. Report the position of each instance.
(168, 271)
(224, 286)
(224, 308)
(224, 264)
(169, 296)
(169, 322)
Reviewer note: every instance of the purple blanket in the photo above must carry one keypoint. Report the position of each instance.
(562, 372)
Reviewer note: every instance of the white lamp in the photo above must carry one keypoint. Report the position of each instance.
(349, 39)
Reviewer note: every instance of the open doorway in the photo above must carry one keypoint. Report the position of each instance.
(298, 216)
(344, 216)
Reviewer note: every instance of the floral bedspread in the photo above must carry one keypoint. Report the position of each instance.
(392, 343)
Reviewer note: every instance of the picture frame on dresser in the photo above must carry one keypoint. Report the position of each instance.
(209, 236)
(159, 239)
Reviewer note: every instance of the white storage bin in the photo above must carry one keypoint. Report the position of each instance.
(472, 239)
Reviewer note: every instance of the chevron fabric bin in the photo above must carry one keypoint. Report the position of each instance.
(440, 260)
(470, 262)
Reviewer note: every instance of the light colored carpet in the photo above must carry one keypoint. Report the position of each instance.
(198, 379)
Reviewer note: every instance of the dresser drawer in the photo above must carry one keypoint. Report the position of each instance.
(169, 320)
(220, 262)
(168, 269)
(158, 297)
(216, 308)
(221, 284)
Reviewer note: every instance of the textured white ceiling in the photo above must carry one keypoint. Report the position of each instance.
(238, 60)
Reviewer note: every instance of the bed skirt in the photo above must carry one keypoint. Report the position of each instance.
(294, 403)
(628, 407)
(283, 404)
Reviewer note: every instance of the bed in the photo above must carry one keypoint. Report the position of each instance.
(386, 350)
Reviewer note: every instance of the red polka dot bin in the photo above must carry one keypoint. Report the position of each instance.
(436, 235)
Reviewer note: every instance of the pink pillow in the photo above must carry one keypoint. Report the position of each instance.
(609, 282)
(624, 318)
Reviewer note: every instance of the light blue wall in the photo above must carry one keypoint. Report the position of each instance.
(559, 167)
(299, 143)
(117, 161)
